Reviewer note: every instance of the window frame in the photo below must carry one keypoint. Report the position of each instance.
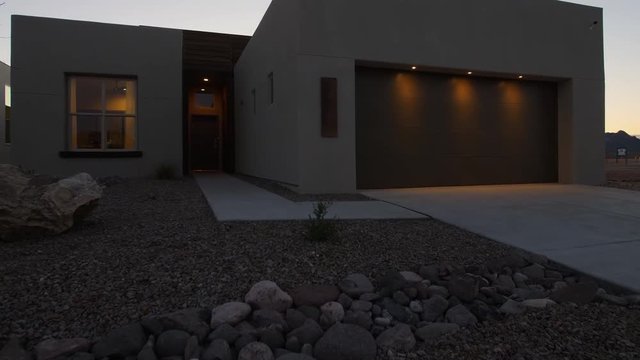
(102, 114)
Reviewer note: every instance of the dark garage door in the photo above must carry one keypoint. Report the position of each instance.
(420, 129)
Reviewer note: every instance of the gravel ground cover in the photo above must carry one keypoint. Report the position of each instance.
(285, 192)
(154, 247)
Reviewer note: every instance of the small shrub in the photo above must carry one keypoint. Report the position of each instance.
(318, 227)
(166, 172)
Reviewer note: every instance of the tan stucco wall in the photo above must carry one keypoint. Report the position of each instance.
(267, 141)
(44, 50)
(537, 38)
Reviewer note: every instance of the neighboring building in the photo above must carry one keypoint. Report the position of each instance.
(5, 114)
(328, 95)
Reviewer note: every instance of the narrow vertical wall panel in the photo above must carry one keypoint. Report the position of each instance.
(329, 112)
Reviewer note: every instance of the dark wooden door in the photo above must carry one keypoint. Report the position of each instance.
(205, 143)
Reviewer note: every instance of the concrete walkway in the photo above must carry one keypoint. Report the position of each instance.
(232, 199)
(595, 230)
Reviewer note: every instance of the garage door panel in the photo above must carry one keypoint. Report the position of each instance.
(418, 129)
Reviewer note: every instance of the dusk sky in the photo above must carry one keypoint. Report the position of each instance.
(622, 34)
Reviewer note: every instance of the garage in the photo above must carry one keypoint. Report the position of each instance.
(418, 129)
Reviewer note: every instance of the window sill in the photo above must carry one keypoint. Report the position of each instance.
(100, 154)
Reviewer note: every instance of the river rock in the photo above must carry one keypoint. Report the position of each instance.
(314, 295)
(267, 295)
(355, 285)
(398, 338)
(231, 313)
(346, 342)
(255, 351)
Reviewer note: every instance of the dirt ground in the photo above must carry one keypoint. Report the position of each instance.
(623, 174)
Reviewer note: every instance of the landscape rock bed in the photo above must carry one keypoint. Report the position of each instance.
(154, 247)
(353, 320)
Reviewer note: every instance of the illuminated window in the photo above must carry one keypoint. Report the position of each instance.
(102, 113)
(7, 114)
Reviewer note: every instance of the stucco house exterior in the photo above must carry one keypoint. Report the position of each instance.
(326, 96)
(5, 113)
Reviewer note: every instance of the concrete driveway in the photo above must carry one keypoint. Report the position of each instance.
(595, 230)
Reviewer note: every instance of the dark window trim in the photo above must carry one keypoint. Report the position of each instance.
(99, 154)
(101, 75)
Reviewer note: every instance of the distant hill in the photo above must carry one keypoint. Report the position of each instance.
(614, 141)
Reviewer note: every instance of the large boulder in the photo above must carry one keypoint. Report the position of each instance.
(268, 295)
(30, 205)
(346, 342)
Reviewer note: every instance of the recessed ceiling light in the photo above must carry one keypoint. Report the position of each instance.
(470, 73)
(202, 90)
(124, 89)
(206, 79)
(413, 68)
(521, 77)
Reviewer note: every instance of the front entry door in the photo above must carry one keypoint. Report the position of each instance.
(205, 143)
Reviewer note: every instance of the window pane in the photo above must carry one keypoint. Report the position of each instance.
(121, 132)
(120, 96)
(85, 95)
(86, 132)
(7, 95)
(204, 100)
